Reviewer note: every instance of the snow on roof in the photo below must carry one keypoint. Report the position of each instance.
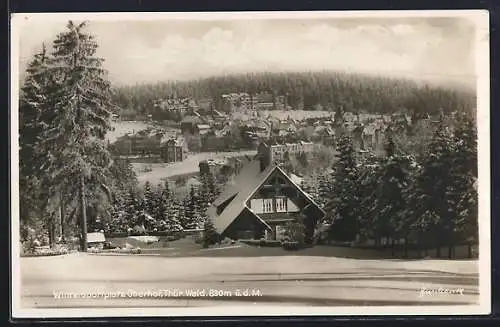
(95, 238)
(296, 179)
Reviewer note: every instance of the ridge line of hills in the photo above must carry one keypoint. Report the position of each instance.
(351, 91)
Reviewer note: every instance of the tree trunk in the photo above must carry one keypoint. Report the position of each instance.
(62, 222)
(469, 250)
(52, 231)
(450, 252)
(406, 247)
(83, 216)
(61, 218)
(438, 251)
(393, 247)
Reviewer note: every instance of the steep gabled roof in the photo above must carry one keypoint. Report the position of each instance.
(248, 172)
(298, 188)
(244, 186)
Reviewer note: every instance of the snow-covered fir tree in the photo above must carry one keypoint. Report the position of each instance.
(430, 208)
(72, 151)
(343, 207)
(149, 199)
(390, 209)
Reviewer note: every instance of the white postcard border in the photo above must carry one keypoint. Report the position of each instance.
(481, 19)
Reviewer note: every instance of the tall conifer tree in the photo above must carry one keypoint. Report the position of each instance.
(79, 95)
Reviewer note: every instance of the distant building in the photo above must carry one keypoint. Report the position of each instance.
(202, 129)
(189, 123)
(205, 105)
(145, 142)
(265, 106)
(176, 104)
(324, 135)
(246, 102)
(373, 136)
(211, 166)
(278, 150)
(173, 150)
(268, 101)
(357, 136)
(238, 102)
(280, 102)
(263, 97)
(218, 116)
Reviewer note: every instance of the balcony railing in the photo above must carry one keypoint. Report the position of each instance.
(273, 205)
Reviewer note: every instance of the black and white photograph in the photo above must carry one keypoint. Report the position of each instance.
(250, 163)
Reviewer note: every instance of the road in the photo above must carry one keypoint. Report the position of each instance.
(206, 281)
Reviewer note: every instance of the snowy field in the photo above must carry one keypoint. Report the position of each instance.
(123, 127)
(285, 280)
(190, 165)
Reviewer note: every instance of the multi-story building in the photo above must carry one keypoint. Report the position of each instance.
(280, 102)
(278, 150)
(145, 142)
(238, 102)
(265, 106)
(176, 104)
(173, 150)
(247, 102)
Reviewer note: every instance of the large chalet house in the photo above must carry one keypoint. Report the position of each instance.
(261, 200)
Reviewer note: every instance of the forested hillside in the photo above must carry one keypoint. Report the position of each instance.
(353, 92)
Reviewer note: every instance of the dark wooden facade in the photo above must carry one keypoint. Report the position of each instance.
(245, 226)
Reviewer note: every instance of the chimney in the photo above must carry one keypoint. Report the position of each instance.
(265, 156)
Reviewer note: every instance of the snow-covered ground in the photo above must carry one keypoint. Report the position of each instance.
(190, 165)
(123, 127)
(146, 239)
(282, 280)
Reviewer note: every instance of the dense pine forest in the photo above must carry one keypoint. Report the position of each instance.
(353, 92)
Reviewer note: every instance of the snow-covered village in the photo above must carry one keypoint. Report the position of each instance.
(209, 163)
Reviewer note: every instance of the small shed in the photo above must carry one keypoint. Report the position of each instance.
(96, 239)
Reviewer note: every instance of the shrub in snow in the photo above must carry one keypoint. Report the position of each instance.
(138, 230)
(198, 239)
(295, 231)
(210, 235)
(46, 251)
(227, 241)
(117, 250)
(290, 245)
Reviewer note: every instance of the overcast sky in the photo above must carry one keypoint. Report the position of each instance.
(439, 49)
